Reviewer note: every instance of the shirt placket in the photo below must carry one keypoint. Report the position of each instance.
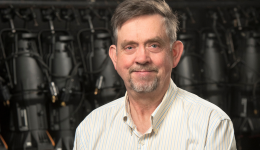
(143, 141)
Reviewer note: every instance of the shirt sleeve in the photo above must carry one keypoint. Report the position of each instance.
(221, 136)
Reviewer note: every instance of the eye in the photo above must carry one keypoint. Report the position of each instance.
(154, 45)
(129, 48)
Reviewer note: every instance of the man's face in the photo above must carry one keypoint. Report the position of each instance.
(143, 56)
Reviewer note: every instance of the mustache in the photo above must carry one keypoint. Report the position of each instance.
(143, 68)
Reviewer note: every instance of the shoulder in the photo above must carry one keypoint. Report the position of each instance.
(195, 105)
(103, 113)
(97, 122)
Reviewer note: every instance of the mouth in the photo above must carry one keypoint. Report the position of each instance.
(143, 70)
(143, 73)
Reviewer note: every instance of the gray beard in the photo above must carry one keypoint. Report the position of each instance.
(144, 88)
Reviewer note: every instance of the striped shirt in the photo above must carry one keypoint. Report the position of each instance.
(182, 121)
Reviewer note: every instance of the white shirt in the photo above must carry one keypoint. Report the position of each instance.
(182, 121)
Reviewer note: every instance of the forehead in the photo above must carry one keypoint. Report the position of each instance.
(142, 27)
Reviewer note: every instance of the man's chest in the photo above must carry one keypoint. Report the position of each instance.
(179, 136)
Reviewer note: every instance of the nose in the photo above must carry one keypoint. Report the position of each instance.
(142, 56)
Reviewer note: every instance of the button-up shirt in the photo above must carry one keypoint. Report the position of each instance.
(182, 121)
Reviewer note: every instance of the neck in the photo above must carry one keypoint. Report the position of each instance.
(142, 105)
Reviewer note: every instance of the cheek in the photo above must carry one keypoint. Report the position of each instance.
(123, 64)
(164, 65)
(169, 60)
(164, 61)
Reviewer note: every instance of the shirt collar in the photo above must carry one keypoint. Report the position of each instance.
(159, 113)
(127, 115)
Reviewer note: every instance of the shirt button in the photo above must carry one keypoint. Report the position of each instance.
(141, 142)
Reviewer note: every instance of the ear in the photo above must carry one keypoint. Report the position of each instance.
(177, 49)
(113, 54)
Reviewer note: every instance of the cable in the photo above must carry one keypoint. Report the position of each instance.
(194, 55)
(202, 60)
(76, 110)
(37, 58)
(28, 92)
(214, 82)
(254, 87)
(219, 40)
(72, 53)
(81, 50)
(102, 67)
(193, 80)
(244, 63)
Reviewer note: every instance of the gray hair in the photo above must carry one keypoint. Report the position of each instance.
(129, 9)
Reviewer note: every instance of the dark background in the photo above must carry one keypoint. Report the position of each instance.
(221, 63)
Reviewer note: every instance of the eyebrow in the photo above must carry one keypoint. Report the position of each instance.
(156, 39)
(123, 44)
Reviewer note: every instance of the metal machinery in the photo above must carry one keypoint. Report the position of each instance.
(55, 67)
(246, 73)
(224, 67)
(67, 93)
(187, 74)
(3, 145)
(53, 83)
(27, 121)
(99, 68)
(215, 55)
(5, 97)
(215, 72)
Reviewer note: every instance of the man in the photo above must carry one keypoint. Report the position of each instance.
(155, 113)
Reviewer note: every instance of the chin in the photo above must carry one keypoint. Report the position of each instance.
(144, 87)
